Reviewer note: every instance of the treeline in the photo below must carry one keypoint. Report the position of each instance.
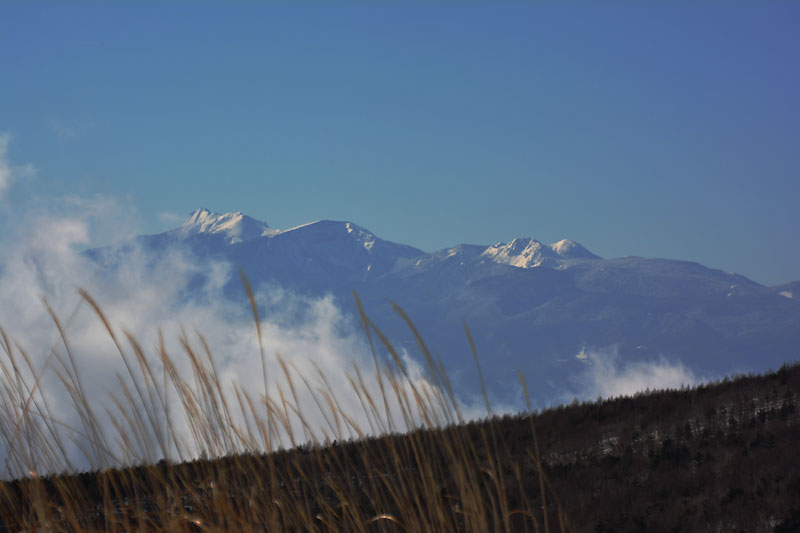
(716, 457)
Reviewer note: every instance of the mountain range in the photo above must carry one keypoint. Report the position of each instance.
(529, 305)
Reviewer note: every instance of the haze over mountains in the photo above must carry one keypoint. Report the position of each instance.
(534, 306)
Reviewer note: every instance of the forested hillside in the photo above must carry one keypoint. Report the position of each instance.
(718, 457)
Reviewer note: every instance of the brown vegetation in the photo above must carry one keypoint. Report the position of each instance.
(719, 457)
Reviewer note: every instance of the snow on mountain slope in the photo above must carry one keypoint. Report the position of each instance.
(334, 238)
(789, 290)
(530, 253)
(233, 227)
(327, 231)
(333, 250)
(572, 250)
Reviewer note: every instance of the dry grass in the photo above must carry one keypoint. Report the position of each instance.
(434, 478)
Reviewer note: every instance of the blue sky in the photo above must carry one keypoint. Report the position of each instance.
(634, 128)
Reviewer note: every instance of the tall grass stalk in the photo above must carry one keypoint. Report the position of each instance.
(187, 452)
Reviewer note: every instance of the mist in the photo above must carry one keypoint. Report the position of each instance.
(157, 300)
(606, 375)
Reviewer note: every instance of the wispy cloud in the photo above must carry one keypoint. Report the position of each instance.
(9, 173)
(177, 293)
(607, 376)
(173, 292)
(67, 130)
(5, 169)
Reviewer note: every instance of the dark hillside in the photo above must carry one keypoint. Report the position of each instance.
(719, 457)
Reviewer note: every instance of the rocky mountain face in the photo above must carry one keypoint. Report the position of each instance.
(533, 306)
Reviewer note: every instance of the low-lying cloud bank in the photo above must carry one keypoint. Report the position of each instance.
(176, 299)
(607, 376)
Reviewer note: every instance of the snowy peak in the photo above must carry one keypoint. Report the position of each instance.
(522, 253)
(361, 234)
(572, 250)
(530, 253)
(233, 227)
(338, 236)
(332, 231)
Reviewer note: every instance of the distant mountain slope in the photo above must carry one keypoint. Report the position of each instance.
(789, 290)
(529, 305)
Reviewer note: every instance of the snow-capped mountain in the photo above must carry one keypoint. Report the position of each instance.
(529, 305)
(232, 227)
(530, 253)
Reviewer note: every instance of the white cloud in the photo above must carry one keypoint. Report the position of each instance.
(172, 292)
(8, 173)
(607, 376)
(175, 292)
(5, 169)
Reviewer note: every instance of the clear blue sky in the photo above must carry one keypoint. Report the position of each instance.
(635, 128)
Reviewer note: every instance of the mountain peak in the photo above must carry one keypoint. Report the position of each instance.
(530, 253)
(521, 252)
(572, 250)
(234, 227)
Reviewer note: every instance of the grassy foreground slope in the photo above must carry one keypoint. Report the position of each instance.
(718, 457)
